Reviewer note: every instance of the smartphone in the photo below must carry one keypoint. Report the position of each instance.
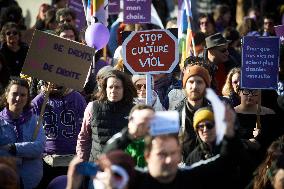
(87, 168)
(164, 122)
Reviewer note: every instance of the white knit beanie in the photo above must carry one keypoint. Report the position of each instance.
(137, 77)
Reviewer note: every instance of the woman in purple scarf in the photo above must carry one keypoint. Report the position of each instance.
(17, 127)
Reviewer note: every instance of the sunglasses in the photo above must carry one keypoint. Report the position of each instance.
(207, 124)
(11, 33)
(139, 86)
(247, 92)
(222, 50)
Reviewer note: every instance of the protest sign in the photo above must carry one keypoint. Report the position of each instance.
(279, 30)
(136, 11)
(58, 60)
(113, 7)
(78, 7)
(152, 52)
(260, 60)
(164, 122)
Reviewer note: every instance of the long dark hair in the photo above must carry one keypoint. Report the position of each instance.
(275, 150)
(129, 91)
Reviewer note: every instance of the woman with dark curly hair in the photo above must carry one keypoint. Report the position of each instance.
(12, 48)
(107, 115)
(261, 179)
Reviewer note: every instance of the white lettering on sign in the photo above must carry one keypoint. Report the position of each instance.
(151, 62)
(150, 37)
(149, 49)
(258, 49)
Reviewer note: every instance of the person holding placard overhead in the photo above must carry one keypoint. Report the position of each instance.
(19, 134)
(62, 120)
(255, 122)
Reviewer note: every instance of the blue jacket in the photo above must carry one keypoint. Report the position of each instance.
(28, 152)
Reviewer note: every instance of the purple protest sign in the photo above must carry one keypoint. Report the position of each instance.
(260, 60)
(137, 11)
(113, 7)
(78, 7)
(279, 30)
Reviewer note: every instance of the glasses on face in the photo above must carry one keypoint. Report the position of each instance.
(9, 33)
(139, 86)
(223, 50)
(247, 92)
(65, 21)
(207, 124)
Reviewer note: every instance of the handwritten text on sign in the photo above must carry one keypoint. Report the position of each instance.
(150, 51)
(260, 62)
(58, 60)
(137, 11)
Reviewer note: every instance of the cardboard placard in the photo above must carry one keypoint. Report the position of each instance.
(58, 60)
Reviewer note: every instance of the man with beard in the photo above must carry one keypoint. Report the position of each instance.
(195, 80)
(62, 120)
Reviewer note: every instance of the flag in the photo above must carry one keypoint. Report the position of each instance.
(89, 11)
(99, 10)
(185, 33)
(189, 33)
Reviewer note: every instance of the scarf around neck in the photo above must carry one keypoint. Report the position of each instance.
(25, 116)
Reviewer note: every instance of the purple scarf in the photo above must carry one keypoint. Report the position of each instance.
(25, 116)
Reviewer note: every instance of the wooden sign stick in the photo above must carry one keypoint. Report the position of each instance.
(39, 121)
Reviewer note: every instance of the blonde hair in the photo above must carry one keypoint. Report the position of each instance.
(228, 88)
(119, 65)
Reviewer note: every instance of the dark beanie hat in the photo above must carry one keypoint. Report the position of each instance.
(196, 70)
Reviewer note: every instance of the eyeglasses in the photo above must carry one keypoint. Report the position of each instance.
(65, 20)
(222, 50)
(247, 92)
(207, 124)
(139, 86)
(11, 33)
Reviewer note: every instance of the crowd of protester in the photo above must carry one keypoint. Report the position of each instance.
(99, 137)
